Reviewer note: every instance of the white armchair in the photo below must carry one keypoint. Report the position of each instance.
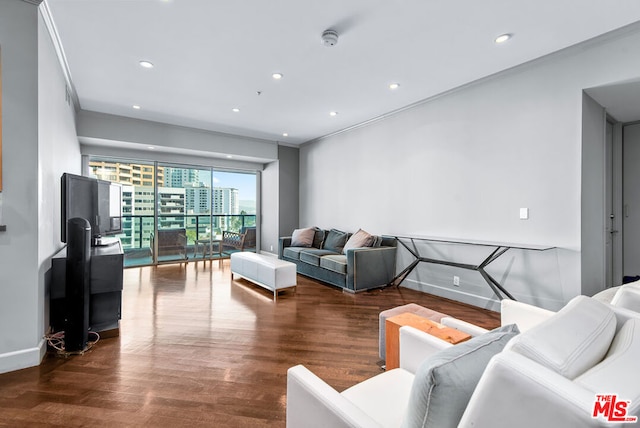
(377, 402)
(416, 346)
(550, 375)
(547, 376)
(382, 400)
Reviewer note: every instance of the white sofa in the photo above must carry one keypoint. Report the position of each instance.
(311, 402)
(548, 376)
(623, 296)
(416, 346)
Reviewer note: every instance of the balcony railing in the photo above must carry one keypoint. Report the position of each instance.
(137, 231)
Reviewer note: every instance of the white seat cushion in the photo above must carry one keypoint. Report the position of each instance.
(383, 397)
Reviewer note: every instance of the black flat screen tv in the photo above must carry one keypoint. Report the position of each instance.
(97, 201)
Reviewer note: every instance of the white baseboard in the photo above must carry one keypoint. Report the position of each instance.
(491, 304)
(23, 358)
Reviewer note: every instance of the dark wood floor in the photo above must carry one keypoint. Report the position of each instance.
(196, 349)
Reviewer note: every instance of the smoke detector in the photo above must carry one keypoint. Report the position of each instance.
(330, 38)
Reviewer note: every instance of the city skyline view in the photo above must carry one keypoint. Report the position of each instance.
(200, 202)
(145, 175)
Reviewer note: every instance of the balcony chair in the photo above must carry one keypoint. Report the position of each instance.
(171, 242)
(240, 241)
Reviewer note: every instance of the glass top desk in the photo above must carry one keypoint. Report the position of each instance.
(494, 251)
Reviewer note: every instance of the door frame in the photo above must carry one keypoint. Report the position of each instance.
(613, 203)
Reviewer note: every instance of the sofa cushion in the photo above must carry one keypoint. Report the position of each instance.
(303, 237)
(335, 240)
(571, 341)
(382, 397)
(292, 252)
(617, 371)
(313, 255)
(359, 239)
(628, 296)
(336, 263)
(444, 382)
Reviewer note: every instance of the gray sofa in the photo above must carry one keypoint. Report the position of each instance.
(355, 270)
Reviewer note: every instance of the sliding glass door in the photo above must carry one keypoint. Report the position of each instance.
(138, 181)
(177, 213)
(184, 211)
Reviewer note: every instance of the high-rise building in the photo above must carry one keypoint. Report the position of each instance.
(179, 177)
(225, 200)
(197, 198)
(126, 173)
(171, 207)
(138, 199)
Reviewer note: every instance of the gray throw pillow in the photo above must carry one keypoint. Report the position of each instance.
(444, 382)
(358, 240)
(318, 239)
(335, 240)
(303, 237)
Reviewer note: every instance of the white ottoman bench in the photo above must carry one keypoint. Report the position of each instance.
(266, 271)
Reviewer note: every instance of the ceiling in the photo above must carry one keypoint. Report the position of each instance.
(211, 56)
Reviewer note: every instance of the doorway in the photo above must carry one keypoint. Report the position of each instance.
(631, 199)
(613, 203)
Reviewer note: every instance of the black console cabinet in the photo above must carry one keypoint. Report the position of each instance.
(105, 301)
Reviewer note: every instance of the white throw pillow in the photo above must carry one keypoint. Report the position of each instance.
(358, 240)
(303, 237)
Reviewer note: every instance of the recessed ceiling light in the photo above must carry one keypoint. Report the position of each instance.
(151, 148)
(277, 76)
(229, 157)
(146, 64)
(394, 85)
(333, 113)
(235, 110)
(284, 134)
(502, 38)
(137, 107)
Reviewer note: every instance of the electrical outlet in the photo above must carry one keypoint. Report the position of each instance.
(271, 249)
(456, 281)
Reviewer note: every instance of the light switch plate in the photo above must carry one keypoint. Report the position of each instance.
(524, 213)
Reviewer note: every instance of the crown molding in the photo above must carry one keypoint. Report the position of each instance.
(57, 45)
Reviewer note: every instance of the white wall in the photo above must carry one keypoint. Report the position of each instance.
(58, 152)
(33, 96)
(20, 319)
(179, 139)
(462, 164)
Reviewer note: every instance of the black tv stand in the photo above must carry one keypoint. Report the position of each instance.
(105, 302)
(104, 241)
